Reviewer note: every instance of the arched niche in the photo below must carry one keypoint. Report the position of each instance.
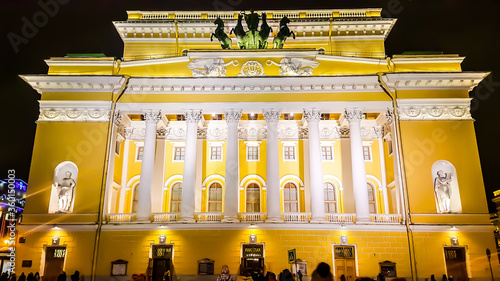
(445, 185)
(62, 195)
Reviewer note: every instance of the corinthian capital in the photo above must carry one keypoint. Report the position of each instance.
(312, 115)
(193, 116)
(152, 116)
(117, 118)
(232, 115)
(389, 115)
(272, 114)
(353, 114)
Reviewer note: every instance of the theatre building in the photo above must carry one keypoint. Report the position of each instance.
(188, 154)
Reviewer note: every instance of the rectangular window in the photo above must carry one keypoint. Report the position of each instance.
(216, 153)
(289, 152)
(252, 153)
(180, 117)
(325, 116)
(252, 116)
(367, 155)
(216, 116)
(326, 153)
(288, 116)
(179, 153)
(140, 153)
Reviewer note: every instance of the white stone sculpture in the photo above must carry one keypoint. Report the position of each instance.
(65, 189)
(442, 188)
(295, 66)
(210, 67)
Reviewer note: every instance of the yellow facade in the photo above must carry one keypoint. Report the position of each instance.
(212, 183)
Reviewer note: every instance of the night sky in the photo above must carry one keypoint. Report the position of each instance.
(468, 28)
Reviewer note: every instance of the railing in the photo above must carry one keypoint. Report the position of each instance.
(121, 217)
(341, 218)
(386, 218)
(296, 217)
(165, 217)
(252, 217)
(209, 217)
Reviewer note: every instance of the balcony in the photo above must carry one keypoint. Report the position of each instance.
(288, 217)
(252, 217)
(165, 217)
(296, 217)
(341, 218)
(209, 217)
(386, 218)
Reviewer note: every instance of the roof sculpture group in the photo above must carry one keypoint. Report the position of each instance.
(253, 38)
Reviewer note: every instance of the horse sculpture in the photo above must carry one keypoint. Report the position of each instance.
(265, 29)
(219, 33)
(239, 32)
(284, 33)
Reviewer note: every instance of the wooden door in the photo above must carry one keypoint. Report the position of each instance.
(456, 266)
(345, 262)
(54, 262)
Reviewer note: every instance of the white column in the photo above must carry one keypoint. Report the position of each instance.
(151, 117)
(233, 117)
(315, 166)
(379, 131)
(111, 166)
(272, 117)
(354, 116)
(389, 115)
(189, 177)
(123, 189)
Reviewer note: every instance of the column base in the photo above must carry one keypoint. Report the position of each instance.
(274, 219)
(230, 219)
(186, 220)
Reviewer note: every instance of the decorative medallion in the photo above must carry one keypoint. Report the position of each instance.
(252, 68)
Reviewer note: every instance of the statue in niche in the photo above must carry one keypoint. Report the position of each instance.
(65, 190)
(442, 189)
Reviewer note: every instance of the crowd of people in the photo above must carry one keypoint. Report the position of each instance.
(321, 273)
(36, 277)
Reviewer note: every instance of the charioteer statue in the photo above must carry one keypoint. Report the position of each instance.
(253, 38)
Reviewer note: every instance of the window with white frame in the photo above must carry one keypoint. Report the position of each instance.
(176, 198)
(215, 149)
(327, 152)
(139, 153)
(215, 197)
(367, 153)
(289, 151)
(290, 198)
(372, 201)
(179, 152)
(253, 150)
(330, 198)
(253, 198)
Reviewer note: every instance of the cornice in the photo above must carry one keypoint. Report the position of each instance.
(376, 61)
(70, 83)
(262, 84)
(176, 59)
(434, 109)
(434, 80)
(79, 62)
(424, 59)
(74, 111)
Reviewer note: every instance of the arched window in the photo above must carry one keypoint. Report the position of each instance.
(253, 198)
(215, 197)
(176, 198)
(330, 198)
(372, 201)
(290, 198)
(135, 198)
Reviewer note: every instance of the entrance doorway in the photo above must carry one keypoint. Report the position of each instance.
(345, 262)
(252, 259)
(54, 262)
(456, 266)
(161, 266)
